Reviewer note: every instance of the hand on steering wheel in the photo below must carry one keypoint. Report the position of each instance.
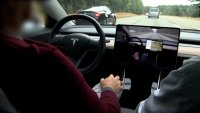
(77, 45)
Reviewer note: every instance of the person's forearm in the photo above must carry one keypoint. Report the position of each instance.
(110, 102)
(108, 89)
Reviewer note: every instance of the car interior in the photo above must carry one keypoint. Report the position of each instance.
(141, 55)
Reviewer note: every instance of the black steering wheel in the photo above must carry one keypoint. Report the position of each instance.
(77, 45)
(133, 42)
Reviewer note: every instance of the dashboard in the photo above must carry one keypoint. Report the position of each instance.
(189, 45)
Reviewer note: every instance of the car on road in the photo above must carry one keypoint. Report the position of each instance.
(100, 13)
(154, 12)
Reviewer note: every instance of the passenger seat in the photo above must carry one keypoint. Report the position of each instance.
(5, 105)
(126, 110)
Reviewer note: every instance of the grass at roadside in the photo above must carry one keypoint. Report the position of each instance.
(193, 18)
(124, 15)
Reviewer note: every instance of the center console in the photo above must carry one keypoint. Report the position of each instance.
(147, 54)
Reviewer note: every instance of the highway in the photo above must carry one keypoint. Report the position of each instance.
(163, 21)
(156, 36)
(170, 41)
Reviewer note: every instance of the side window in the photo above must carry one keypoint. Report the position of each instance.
(38, 15)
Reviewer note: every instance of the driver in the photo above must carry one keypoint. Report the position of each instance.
(39, 78)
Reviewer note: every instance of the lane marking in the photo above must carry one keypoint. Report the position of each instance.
(177, 26)
(141, 19)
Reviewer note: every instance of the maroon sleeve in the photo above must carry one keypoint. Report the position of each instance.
(79, 92)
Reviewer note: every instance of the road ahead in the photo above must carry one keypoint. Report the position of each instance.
(156, 36)
(164, 21)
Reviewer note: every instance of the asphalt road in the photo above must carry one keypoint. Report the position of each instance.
(163, 21)
(167, 40)
(157, 36)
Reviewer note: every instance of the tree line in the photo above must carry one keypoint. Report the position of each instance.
(134, 6)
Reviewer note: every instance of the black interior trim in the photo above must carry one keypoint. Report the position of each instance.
(184, 41)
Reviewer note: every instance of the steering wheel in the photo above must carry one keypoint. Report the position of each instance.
(133, 42)
(77, 45)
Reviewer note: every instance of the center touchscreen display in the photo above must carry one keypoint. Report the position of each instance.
(147, 46)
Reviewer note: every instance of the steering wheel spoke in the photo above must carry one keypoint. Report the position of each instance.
(79, 61)
(57, 39)
(93, 44)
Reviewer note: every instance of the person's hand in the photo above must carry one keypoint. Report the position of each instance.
(112, 82)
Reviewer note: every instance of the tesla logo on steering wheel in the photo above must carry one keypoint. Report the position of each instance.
(74, 41)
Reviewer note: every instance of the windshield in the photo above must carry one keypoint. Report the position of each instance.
(184, 14)
(95, 9)
(154, 10)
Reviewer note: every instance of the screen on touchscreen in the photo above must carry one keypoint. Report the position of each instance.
(147, 46)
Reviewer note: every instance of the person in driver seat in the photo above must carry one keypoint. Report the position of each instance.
(39, 78)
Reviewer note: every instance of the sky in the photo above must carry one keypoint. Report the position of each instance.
(166, 2)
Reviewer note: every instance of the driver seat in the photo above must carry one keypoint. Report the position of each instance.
(6, 106)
